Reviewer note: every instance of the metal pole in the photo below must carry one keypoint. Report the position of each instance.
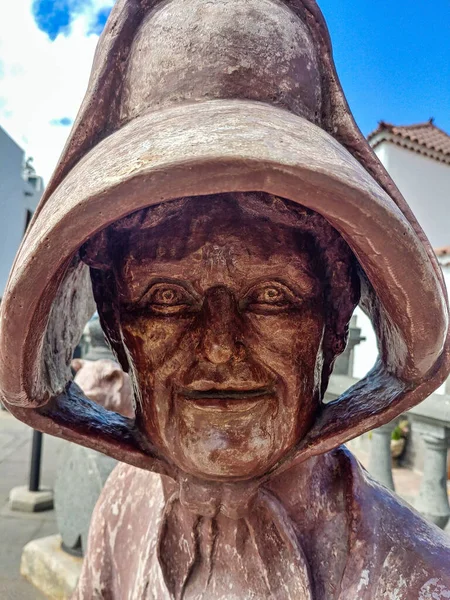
(35, 467)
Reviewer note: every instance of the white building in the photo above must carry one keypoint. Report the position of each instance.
(417, 158)
(20, 191)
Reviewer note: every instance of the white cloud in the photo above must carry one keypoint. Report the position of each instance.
(42, 82)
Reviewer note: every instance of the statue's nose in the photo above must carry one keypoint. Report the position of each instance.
(220, 326)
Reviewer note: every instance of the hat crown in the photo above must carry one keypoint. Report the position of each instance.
(192, 50)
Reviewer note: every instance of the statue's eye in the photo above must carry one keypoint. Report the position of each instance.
(271, 297)
(169, 298)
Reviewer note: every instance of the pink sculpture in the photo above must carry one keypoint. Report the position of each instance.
(229, 214)
(104, 382)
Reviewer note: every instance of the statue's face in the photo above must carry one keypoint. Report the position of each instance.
(222, 318)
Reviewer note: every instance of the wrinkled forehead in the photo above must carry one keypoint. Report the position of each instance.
(214, 228)
(213, 241)
(228, 229)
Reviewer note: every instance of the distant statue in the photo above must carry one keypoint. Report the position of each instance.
(104, 382)
(229, 215)
(99, 375)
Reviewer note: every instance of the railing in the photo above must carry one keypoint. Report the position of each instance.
(431, 421)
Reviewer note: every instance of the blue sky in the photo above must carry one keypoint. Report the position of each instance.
(46, 53)
(393, 58)
(55, 17)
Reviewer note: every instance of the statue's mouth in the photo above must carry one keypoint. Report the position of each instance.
(227, 399)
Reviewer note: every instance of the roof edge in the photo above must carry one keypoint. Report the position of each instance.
(377, 139)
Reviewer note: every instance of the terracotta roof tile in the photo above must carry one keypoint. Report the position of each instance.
(424, 138)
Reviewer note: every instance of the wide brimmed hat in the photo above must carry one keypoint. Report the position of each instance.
(189, 98)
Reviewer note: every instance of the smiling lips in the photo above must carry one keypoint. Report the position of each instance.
(231, 399)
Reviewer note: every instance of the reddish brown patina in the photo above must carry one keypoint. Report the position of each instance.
(230, 215)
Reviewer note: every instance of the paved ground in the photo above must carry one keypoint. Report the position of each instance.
(17, 529)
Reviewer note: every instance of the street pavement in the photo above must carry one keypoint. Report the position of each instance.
(17, 528)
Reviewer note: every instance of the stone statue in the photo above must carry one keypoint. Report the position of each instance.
(99, 375)
(104, 382)
(218, 196)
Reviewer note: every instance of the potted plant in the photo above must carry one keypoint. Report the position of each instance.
(398, 439)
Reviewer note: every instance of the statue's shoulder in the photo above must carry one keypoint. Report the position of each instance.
(124, 526)
(129, 493)
(379, 546)
(393, 551)
(127, 483)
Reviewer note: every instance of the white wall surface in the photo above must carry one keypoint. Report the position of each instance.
(365, 353)
(425, 184)
(13, 203)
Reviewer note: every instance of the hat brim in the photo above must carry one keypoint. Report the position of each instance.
(214, 147)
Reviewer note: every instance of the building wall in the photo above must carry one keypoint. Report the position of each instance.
(16, 197)
(425, 184)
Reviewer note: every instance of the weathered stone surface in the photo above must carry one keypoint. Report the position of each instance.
(380, 455)
(50, 569)
(362, 542)
(80, 479)
(433, 496)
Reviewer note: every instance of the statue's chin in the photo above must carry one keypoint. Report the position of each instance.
(234, 440)
(242, 461)
(226, 440)
(210, 470)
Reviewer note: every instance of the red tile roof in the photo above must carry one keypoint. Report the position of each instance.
(424, 138)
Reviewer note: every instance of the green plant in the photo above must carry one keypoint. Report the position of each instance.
(397, 434)
(401, 431)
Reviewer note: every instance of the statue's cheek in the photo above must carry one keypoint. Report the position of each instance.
(285, 337)
(154, 342)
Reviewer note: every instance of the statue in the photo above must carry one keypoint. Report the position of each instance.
(99, 375)
(229, 215)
